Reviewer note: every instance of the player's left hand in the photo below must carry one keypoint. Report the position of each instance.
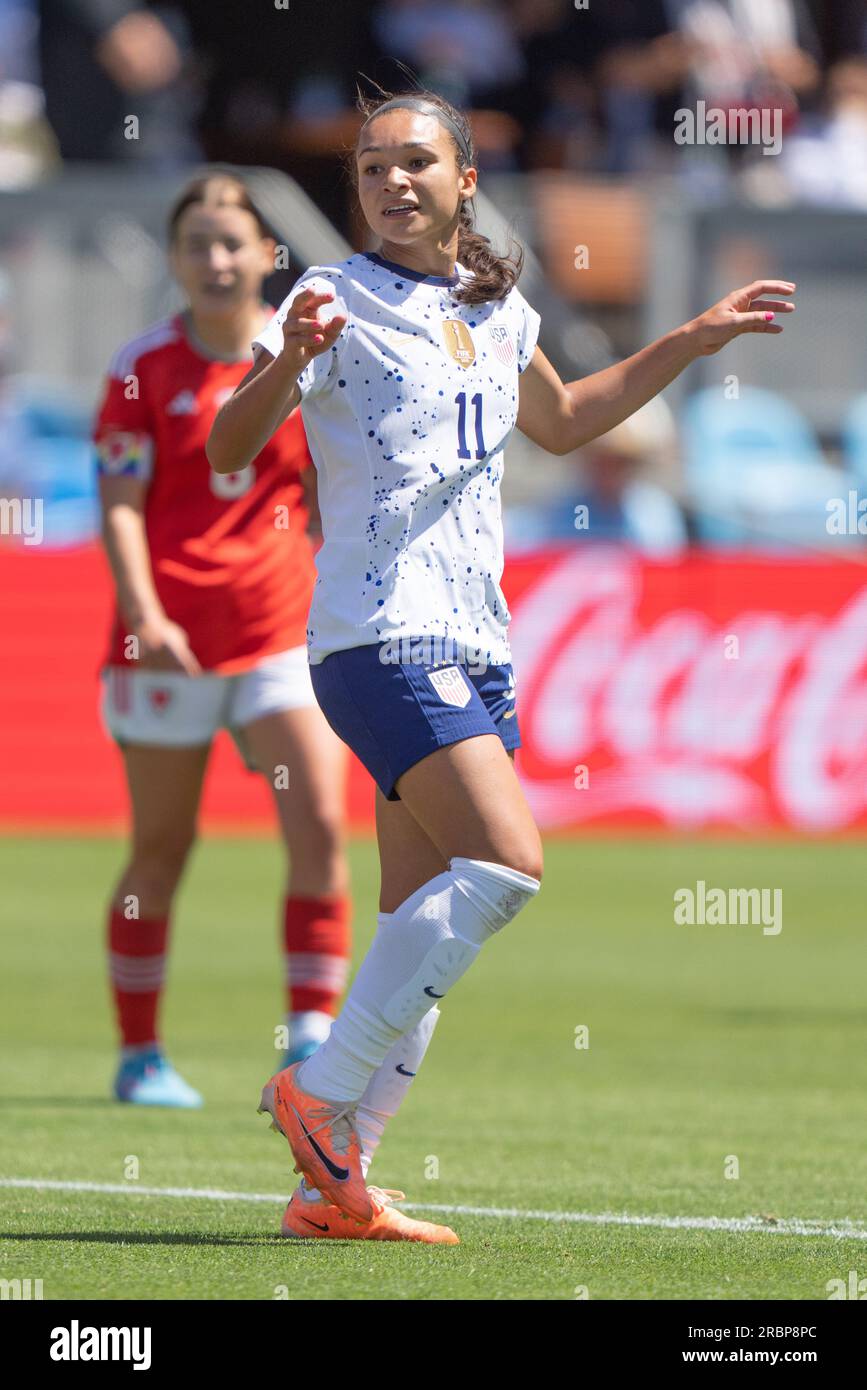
(743, 311)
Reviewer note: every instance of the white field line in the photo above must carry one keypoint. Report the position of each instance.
(839, 1230)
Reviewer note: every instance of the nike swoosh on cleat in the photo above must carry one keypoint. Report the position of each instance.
(432, 994)
(403, 1071)
(341, 1174)
(315, 1223)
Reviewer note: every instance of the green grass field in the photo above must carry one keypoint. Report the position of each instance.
(705, 1042)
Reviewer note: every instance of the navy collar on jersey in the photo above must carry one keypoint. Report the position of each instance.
(406, 274)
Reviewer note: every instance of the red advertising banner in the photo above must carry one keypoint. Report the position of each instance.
(710, 692)
(707, 692)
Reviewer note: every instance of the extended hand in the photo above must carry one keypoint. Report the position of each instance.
(742, 311)
(303, 334)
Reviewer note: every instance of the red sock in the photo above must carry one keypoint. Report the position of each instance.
(137, 958)
(316, 945)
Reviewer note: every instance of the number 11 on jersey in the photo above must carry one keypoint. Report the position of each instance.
(461, 403)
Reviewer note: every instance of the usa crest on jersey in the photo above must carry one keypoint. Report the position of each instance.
(503, 345)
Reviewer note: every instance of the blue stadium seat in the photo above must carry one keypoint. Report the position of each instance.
(60, 463)
(63, 475)
(855, 440)
(755, 473)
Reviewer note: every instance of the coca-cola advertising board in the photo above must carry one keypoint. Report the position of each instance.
(715, 691)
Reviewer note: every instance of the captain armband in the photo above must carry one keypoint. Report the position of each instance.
(125, 455)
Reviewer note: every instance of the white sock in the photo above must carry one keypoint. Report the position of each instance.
(418, 953)
(308, 1025)
(387, 1088)
(386, 1091)
(139, 1050)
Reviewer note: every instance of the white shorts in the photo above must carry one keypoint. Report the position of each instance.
(172, 710)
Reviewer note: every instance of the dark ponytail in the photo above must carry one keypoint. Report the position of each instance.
(493, 276)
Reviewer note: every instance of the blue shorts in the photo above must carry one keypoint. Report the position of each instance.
(393, 714)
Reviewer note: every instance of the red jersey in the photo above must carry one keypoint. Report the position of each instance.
(231, 560)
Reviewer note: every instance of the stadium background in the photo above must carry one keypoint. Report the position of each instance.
(721, 526)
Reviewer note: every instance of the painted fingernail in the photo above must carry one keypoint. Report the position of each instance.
(768, 317)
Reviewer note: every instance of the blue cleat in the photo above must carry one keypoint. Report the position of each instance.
(307, 1030)
(150, 1079)
(300, 1052)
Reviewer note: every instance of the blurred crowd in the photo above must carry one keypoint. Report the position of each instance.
(589, 85)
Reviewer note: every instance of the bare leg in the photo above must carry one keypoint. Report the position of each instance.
(316, 913)
(408, 856)
(165, 787)
(311, 808)
(471, 861)
(468, 801)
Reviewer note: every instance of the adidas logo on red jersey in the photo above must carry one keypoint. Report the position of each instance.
(184, 403)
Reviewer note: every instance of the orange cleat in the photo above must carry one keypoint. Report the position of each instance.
(319, 1220)
(323, 1140)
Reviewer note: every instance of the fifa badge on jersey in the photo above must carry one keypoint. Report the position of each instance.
(124, 455)
(451, 686)
(459, 342)
(503, 346)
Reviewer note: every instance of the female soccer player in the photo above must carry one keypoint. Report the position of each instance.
(409, 394)
(213, 577)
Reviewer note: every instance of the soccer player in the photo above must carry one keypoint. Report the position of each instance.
(213, 577)
(413, 364)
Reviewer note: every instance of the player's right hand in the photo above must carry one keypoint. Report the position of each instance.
(164, 646)
(304, 336)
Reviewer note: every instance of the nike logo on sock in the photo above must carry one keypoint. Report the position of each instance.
(432, 993)
(341, 1174)
(403, 1071)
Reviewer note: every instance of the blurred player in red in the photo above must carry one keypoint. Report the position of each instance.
(213, 577)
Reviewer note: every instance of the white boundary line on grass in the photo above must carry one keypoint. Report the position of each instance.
(839, 1230)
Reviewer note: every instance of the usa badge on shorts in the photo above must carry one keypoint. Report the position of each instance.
(451, 685)
(502, 341)
(459, 342)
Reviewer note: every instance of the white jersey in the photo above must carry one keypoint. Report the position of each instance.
(406, 418)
